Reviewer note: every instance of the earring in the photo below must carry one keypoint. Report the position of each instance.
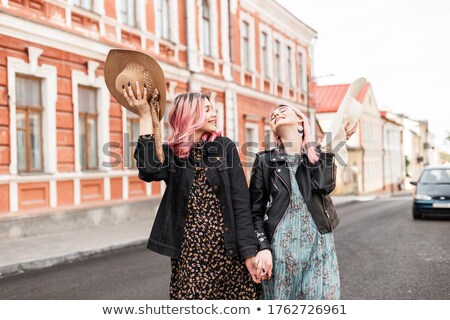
(300, 130)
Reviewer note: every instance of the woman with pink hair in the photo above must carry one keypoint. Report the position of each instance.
(293, 214)
(204, 220)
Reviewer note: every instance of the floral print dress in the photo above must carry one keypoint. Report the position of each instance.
(204, 270)
(304, 260)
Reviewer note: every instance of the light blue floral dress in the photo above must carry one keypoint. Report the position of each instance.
(304, 260)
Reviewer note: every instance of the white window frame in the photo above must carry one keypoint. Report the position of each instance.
(214, 28)
(49, 89)
(244, 17)
(173, 21)
(140, 11)
(291, 81)
(263, 28)
(98, 6)
(103, 105)
(303, 51)
(278, 37)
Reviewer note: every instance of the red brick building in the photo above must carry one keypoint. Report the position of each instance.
(57, 117)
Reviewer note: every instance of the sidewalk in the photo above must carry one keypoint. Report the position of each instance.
(23, 254)
(345, 200)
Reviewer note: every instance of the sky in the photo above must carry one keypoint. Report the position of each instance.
(401, 46)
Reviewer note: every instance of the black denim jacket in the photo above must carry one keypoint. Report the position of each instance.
(270, 190)
(224, 174)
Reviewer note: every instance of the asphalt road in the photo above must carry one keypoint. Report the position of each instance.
(383, 254)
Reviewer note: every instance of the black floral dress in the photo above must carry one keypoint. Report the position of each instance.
(204, 270)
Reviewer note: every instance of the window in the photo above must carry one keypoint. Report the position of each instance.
(163, 12)
(289, 63)
(267, 138)
(88, 116)
(252, 144)
(246, 46)
(85, 4)
(206, 29)
(29, 124)
(300, 72)
(264, 55)
(277, 61)
(128, 12)
(132, 137)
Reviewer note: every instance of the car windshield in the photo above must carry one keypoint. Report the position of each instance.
(436, 176)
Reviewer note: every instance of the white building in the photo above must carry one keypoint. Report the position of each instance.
(364, 171)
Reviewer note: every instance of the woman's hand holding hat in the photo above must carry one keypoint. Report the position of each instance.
(139, 102)
(144, 109)
(350, 131)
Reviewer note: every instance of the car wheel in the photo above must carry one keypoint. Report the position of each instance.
(416, 216)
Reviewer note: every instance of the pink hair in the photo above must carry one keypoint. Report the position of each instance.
(185, 117)
(308, 145)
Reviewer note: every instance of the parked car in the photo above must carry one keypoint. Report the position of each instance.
(432, 196)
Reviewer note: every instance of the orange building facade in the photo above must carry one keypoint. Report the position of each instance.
(66, 143)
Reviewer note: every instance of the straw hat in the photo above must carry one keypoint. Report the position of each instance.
(128, 66)
(350, 111)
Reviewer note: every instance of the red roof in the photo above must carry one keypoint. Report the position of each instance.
(329, 98)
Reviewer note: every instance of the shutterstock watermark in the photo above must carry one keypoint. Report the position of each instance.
(215, 153)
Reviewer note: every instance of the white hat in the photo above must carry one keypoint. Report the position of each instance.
(349, 111)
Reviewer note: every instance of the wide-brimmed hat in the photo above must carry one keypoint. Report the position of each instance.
(349, 111)
(128, 66)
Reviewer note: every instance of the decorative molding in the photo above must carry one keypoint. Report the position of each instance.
(125, 187)
(92, 67)
(64, 176)
(76, 191)
(13, 196)
(107, 188)
(33, 56)
(148, 189)
(53, 194)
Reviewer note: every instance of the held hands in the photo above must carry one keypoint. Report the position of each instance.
(264, 264)
(252, 268)
(260, 267)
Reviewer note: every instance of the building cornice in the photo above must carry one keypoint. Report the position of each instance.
(277, 15)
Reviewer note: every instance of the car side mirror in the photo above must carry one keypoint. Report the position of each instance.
(414, 183)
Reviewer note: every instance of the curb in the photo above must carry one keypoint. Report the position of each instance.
(342, 204)
(18, 268)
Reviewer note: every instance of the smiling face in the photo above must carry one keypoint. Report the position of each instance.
(282, 117)
(210, 124)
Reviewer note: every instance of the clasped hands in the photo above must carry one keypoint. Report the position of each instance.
(260, 267)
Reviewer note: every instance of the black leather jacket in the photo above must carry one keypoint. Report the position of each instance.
(224, 174)
(270, 190)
